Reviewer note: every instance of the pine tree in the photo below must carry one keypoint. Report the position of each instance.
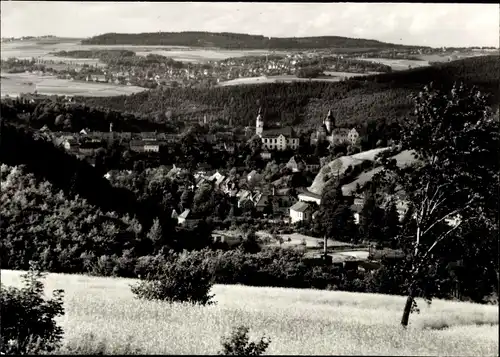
(371, 219)
(335, 216)
(391, 224)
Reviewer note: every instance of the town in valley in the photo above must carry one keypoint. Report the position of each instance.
(185, 183)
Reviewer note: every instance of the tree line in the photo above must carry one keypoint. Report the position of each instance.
(234, 41)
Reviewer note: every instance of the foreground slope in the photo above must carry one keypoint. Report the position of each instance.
(298, 321)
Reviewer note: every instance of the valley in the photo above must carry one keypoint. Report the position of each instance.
(190, 192)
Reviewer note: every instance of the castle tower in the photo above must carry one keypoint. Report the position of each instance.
(259, 125)
(329, 122)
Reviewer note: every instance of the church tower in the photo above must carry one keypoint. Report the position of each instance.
(329, 122)
(259, 124)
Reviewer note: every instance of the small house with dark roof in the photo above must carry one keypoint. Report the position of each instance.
(265, 154)
(296, 164)
(300, 211)
(312, 164)
(137, 145)
(185, 219)
(71, 144)
(356, 211)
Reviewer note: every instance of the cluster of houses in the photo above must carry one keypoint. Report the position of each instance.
(271, 200)
(212, 72)
(85, 143)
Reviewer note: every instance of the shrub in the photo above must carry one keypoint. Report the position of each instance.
(28, 324)
(250, 243)
(89, 344)
(181, 279)
(237, 344)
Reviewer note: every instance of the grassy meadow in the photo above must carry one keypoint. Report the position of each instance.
(397, 64)
(15, 83)
(36, 48)
(283, 79)
(102, 313)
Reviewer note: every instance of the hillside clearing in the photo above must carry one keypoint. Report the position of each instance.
(298, 321)
(339, 166)
(16, 83)
(42, 49)
(277, 79)
(397, 64)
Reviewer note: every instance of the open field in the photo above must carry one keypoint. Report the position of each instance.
(445, 57)
(339, 165)
(15, 84)
(197, 55)
(298, 321)
(276, 79)
(36, 48)
(402, 64)
(331, 77)
(348, 74)
(296, 239)
(397, 64)
(403, 158)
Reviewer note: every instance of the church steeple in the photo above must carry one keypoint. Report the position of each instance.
(329, 121)
(259, 124)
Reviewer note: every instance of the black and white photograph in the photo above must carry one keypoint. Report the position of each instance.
(249, 178)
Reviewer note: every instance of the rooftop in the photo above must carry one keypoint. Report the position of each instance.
(185, 213)
(286, 131)
(300, 206)
(309, 194)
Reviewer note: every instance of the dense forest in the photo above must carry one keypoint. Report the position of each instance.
(19, 146)
(58, 115)
(481, 71)
(234, 41)
(383, 97)
(122, 58)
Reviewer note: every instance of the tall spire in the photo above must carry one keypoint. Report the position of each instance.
(329, 121)
(259, 125)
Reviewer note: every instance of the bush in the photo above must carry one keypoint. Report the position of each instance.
(89, 344)
(237, 344)
(28, 324)
(181, 279)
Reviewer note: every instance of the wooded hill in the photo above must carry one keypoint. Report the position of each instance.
(235, 41)
(379, 98)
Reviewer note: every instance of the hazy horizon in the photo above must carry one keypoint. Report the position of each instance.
(435, 25)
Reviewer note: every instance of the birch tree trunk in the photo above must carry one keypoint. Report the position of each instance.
(407, 310)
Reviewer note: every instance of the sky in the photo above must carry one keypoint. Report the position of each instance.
(411, 24)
